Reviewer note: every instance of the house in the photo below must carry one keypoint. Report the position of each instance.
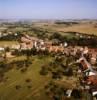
(1, 49)
(15, 46)
(93, 59)
(0, 34)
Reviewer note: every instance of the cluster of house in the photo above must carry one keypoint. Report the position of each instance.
(89, 80)
(84, 35)
(2, 34)
(29, 42)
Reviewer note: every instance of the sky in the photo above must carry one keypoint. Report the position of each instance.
(48, 9)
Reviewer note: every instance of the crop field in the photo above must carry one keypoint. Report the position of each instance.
(82, 28)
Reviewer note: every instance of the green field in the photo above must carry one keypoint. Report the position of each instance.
(8, 89)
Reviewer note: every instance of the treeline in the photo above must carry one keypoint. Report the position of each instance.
(10, 37)
(76, 40)
(66, 23)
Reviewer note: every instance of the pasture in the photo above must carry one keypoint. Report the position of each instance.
(16, 87)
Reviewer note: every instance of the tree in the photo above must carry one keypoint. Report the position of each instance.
(56, 36)
(44, 70)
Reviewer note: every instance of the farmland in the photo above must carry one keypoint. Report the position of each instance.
(88, 27)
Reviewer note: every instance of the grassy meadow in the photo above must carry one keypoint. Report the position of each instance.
(33, 90)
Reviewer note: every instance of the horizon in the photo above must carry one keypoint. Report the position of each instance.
(48, 9)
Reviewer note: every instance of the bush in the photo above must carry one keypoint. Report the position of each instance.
(44, 71)
(29, 86)
(23, 70)
(17, 87)
(28, 80)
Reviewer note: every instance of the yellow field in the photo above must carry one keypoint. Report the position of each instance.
(7, 43)
(87, 28)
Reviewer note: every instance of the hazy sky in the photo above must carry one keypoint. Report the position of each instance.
(48, 9)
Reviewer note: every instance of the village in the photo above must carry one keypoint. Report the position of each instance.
(48, 49)
(27, 42)
(84, 55)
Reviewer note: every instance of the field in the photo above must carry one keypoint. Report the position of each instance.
(8, 43)
(86, 27)
(28, 91)
(80, 28)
